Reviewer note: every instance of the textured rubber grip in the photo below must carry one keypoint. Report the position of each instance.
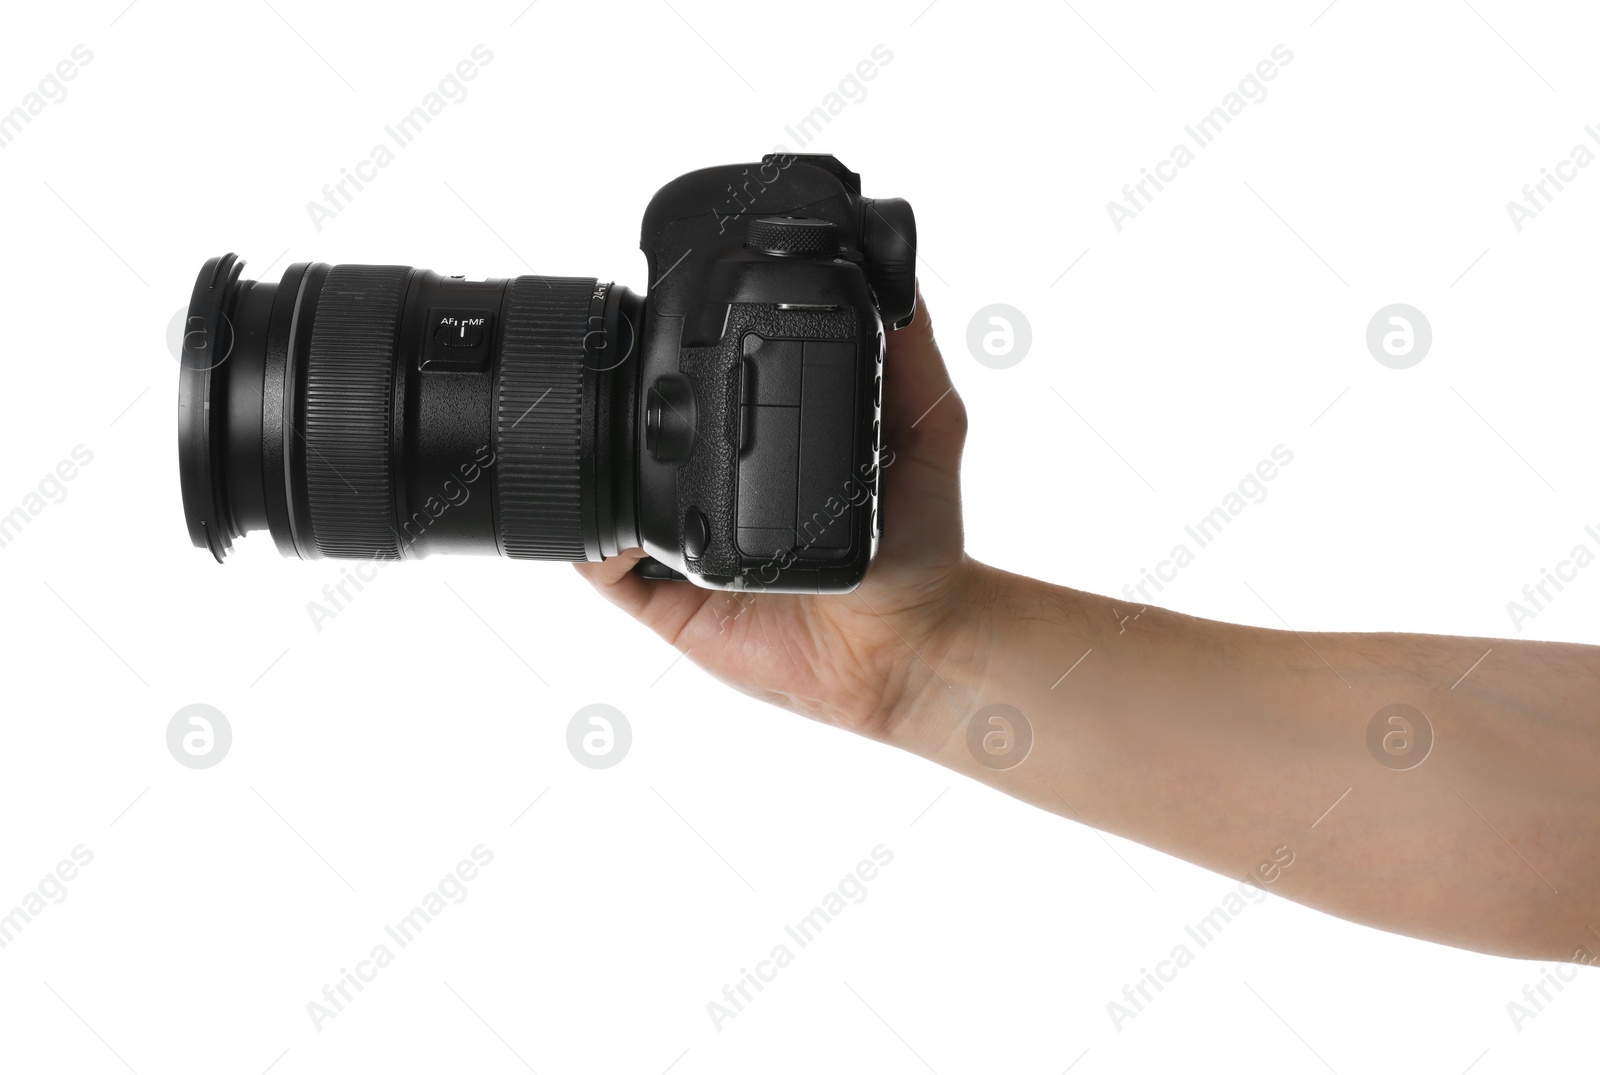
(539, 424)
(348, 399)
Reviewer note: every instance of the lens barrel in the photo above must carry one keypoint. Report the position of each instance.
(539, 420)
(384, 412)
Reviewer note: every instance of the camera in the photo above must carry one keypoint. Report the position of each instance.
(727, 421)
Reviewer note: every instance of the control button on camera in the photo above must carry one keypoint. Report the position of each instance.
(463, 334)
(459, 340)
(696, 533)
(669, 419)
(789, 236)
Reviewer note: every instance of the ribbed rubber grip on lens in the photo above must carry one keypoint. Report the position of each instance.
(539, 418)
(348, 399)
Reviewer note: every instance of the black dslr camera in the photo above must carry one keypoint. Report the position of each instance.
(727, 421)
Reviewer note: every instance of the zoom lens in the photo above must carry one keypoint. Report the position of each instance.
(384, 412)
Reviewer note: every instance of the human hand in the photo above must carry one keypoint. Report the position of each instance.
(1191, 736)
(864, 660)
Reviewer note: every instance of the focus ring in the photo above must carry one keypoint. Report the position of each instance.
(348, 400)
(539, 418)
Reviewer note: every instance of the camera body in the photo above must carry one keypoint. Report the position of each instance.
(761, 373)
(727, 421)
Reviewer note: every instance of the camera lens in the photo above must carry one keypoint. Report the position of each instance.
(384, 412)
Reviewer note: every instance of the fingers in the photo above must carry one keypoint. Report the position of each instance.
(614, 577)
(923, 414)
(925, 427)
(664, 607)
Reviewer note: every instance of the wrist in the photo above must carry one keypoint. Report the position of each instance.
(960, 662)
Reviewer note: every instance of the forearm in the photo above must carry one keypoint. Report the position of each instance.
(1239, 748)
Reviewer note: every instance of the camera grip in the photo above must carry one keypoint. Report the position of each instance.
(783, 434)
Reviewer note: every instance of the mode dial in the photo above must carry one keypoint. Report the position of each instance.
(792, 236)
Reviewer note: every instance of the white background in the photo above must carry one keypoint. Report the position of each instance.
(369, 757)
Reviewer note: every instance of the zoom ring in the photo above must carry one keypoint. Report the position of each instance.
(539, 418)
(348, 400)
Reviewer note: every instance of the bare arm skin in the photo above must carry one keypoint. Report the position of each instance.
(1225, 745)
